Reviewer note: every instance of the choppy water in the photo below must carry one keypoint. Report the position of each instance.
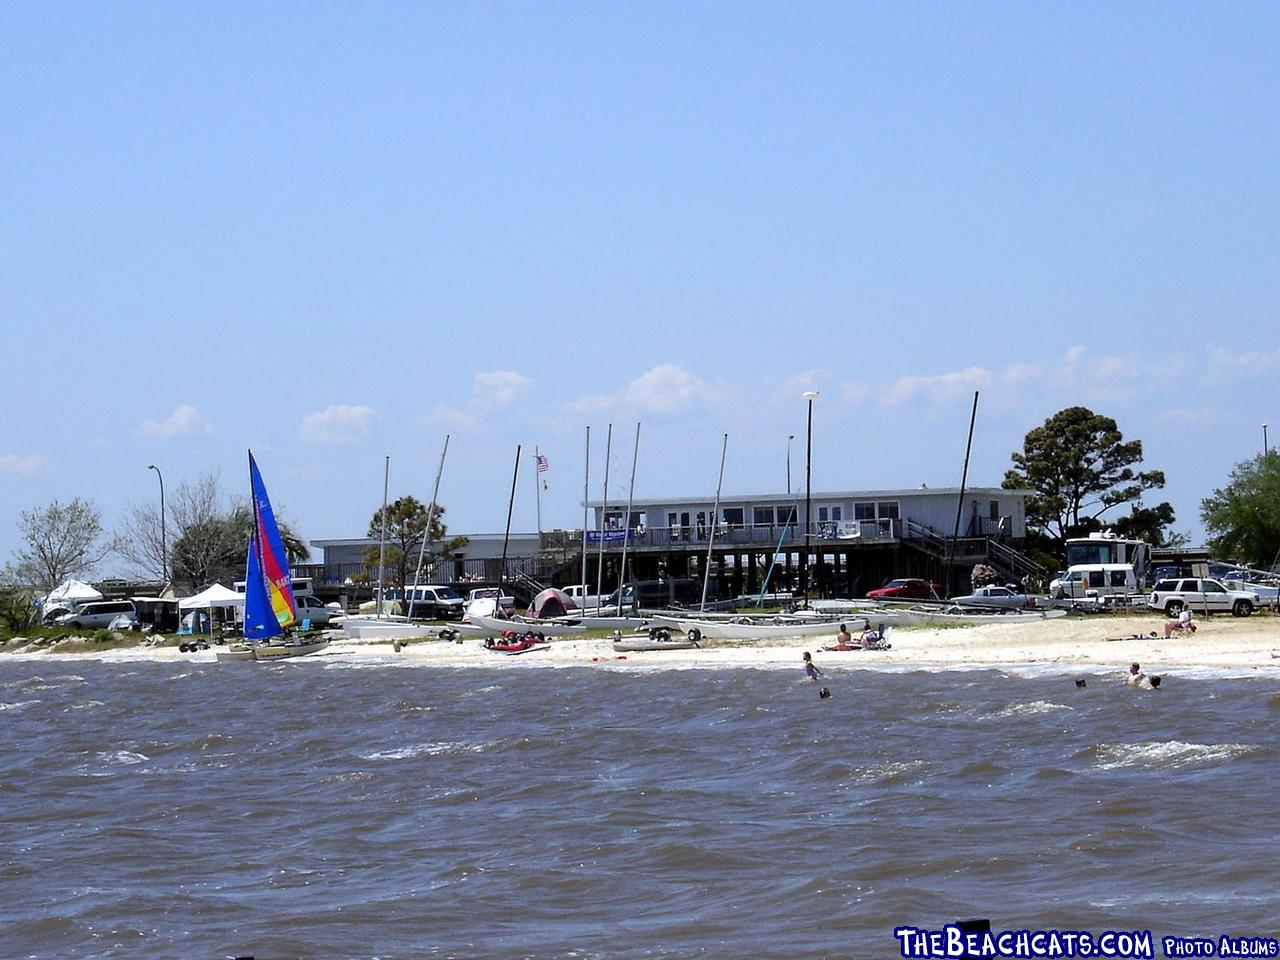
(328, 808)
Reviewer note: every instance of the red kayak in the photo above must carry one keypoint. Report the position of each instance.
(511, 644)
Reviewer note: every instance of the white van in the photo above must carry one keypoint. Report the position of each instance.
(1095, 580)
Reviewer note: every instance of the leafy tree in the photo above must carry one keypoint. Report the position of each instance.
(1079, 466)
(1151, 524)
(1243, 518)
(210, 537)
(59, 541)
(407, 525)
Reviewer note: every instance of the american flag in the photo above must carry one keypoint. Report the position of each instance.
(543, 463)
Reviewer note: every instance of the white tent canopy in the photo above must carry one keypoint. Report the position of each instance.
(214, 596)
(71, 591)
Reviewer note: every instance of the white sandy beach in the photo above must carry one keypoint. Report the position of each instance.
(1223, 644)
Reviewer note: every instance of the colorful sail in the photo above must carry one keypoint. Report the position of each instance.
(260, 621)
(274, 573)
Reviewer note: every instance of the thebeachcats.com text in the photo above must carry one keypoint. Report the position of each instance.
(956, 942)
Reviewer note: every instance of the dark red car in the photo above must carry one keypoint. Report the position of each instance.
(906, 589)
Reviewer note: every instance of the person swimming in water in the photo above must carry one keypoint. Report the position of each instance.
(810, 667)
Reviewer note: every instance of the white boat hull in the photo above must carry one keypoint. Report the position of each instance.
(729, 630)
(266, 652)
(492, 626)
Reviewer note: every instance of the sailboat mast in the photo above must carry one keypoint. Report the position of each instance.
(426, 534)
(502, 572)
(711, 541)
(626, 520)
(964, 479)
(604, 509)
(382, 537)
(586, 493)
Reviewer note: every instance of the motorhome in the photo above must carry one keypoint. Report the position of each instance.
(1087, 580)
(1106, 548)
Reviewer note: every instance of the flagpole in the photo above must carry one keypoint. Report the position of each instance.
(537, 489)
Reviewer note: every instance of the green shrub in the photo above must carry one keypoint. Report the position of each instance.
(102, 636)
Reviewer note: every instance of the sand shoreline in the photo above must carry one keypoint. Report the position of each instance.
(1223, 644)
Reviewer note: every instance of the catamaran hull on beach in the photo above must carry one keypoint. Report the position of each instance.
(265, 652)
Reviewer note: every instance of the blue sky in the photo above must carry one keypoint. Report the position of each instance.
(332, 232)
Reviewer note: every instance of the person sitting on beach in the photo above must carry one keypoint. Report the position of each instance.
(1182, 625)
(871, 638)
(810, 667)
(1135, 677)
(843, 638)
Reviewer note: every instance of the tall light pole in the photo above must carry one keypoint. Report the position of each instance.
(790, 437)
(1265, 448)
(164, 538)
(810, 396)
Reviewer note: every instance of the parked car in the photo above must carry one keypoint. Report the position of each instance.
(310, 608)
(1173, 596)
(907, 588)
(994, 596)
(97, 614)
(434, 602)
(584, 600)
(506, 601)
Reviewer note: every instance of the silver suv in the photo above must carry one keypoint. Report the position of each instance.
(98, 614)
(1173, 595)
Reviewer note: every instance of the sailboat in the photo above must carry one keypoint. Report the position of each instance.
(268, 604)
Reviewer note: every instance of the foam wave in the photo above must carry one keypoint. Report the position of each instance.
(426, 750)
(18, 705)
(1166, 754)
(1034, 708)
(122, 757)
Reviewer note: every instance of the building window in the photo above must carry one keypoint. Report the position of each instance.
(822, 515)
(995, 510)
(864, 511)
(733, 516)
(887, 509)
(836, 514)
(763, 516)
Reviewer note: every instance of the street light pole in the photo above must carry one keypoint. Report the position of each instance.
(790, 437)
(164, 538)
(809, 395)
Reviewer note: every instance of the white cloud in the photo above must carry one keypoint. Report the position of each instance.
(450, 418)
(338, 424)
(499, 387)
(183, 422)
(663, 390)
(1229, 366)
(14, 465)
(937, 389)
(1019, 373)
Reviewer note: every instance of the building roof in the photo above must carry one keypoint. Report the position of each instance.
(823, 495)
